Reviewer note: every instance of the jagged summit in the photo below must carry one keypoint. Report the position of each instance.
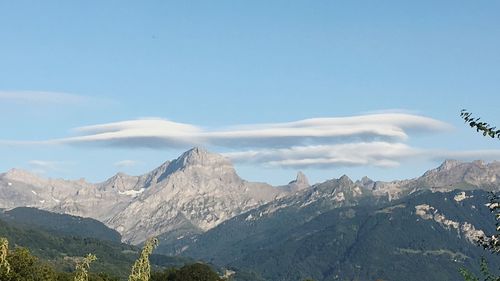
(299, 183)
(345, 180)
(198, 156)
(120, 181)
(300, 179)
(449, 164)
(366, 183)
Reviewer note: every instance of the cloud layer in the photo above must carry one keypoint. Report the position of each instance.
(379, 139)
(380, 154)
(161, 133)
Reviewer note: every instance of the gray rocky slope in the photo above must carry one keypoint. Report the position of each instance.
(199, 190)
(194, 192)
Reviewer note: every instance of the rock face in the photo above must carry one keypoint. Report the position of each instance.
(194, 192)
(20, 188)
(198, 190)
(300, 183)
(452, 172)
(450, 175)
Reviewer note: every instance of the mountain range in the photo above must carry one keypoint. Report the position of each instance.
(199, 207)
(190, 194)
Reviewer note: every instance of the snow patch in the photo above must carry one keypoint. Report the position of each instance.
(34, 192)
(9, 184)
(132, 192)
(56, 200)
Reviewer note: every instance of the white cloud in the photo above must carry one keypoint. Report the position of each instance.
(125, 163)
(379, 140)
(379, 154)
(161, 133)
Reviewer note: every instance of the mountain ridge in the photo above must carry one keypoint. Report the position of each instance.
(199, 190)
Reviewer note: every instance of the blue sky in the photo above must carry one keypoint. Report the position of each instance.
(218, 65)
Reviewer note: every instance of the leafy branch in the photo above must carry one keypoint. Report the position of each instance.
(480, 126)
(82, 268)
(492, 242)
(141, 271)
(4, 251)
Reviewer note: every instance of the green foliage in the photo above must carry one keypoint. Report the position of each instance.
(4, 250)
(60, 223)
(82, 267)
(485, 271)
(467, 275)
(480, 126)
(488, 242)
(192, 272)
(26, 267)
(352, 241)
(141, 271)
(196, 272)
(114, 259)
(492, 242)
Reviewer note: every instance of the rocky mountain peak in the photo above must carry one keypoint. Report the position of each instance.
(198, 156)
(366, 183)
(300, 182)
(301, 179)
(345, 180)
(448, 165)
(120, 181)
(23, 176)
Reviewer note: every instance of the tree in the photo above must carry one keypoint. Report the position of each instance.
(4, 251)
(82, 267)
(26, 267)
(141, 271)
(488, 242)
(483, 127)
(190, 272)
(196, 272)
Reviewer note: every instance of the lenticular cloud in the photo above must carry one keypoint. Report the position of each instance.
(372, 139)
(162, 133)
